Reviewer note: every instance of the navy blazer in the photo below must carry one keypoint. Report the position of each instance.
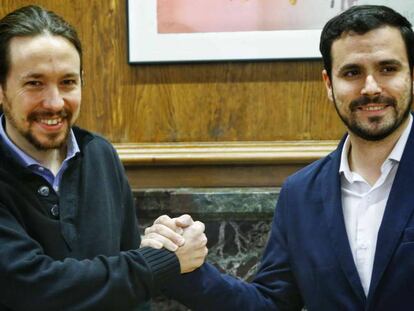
(308, 261)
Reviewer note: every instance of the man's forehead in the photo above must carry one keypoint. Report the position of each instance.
(374, 45)
(30, 54)
(38, 42)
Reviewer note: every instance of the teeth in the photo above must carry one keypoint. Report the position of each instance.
(51, 121)
(373, 108)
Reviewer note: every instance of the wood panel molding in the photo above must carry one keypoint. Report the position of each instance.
(224, 153)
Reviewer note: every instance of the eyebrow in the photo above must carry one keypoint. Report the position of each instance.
(390, 62)
(381, 63)
(349, 67)
(33, 75)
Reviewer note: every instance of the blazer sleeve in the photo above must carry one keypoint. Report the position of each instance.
(273, 288)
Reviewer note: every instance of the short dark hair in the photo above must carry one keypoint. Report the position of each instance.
(31, 21)
(361, 19)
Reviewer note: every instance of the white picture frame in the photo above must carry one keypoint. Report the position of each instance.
(146, 45)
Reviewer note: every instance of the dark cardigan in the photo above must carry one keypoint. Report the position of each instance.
(77, 250)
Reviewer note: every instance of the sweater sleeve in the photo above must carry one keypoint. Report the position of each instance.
(31, 280)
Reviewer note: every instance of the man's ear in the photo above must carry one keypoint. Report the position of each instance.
(328, 84)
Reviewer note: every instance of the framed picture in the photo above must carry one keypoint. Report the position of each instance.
(217, 30)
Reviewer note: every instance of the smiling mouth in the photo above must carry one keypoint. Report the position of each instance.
(373, 107)
(51, 121)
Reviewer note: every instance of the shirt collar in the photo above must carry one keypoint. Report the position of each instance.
(399, 147)
(395, 154)
(25, 159)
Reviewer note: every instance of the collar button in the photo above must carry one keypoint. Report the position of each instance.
(43, 191)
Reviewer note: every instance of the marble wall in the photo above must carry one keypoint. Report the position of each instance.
(237, 224)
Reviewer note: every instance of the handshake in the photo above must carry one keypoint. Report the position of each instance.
(181, 235)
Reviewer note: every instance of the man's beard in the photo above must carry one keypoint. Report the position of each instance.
(53, 141)
(365, 132)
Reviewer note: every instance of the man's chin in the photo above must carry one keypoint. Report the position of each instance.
(48, 146)
(45, 144)
(373, 134)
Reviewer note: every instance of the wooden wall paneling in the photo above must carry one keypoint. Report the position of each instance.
(293, 152)
(201, 176)
(262, 101)
(146, 106)
(238, 101)
(214, 165)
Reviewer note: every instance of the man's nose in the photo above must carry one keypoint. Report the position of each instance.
(53, 99)
(371, 86)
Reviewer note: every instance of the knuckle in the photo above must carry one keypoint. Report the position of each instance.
(158, 228)
(153, 228)
(199, 225)
(148, 236)
(187, 217)
(155, 236)
(162, 219)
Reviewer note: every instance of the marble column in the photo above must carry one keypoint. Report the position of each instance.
(237, 224)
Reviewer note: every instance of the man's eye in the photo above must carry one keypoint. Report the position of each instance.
(69, 82)
(33, 83)
(351, 73)
(389, 69)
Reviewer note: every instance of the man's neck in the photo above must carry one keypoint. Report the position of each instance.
(366, 157)
(51, 159)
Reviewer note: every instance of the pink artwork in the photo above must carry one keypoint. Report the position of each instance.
(192, 16)
(213, 30)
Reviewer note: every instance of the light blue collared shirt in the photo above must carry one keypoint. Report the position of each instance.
(27, 161)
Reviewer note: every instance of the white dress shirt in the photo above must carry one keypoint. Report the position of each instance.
(363, 206)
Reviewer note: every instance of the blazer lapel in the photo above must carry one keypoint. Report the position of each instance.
(332, 203)
(400, 206)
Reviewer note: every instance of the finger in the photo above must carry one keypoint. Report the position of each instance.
(199, 241)
(184, 221)
(169, 222)
(200, 226)
(157, 239)
(151, 243)
(179, 230)
(166, 232)
(203, 240)
(196, 228)
(165, 220)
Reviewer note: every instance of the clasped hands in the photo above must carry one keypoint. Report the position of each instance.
(181, 235)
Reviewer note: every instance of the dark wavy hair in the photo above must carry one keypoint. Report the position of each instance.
(361, 19)
(31, 21)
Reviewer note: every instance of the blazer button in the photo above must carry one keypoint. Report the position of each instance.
(54, 210)
(43, 191)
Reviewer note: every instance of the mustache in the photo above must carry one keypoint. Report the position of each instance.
(48, 114)
(365, 100)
